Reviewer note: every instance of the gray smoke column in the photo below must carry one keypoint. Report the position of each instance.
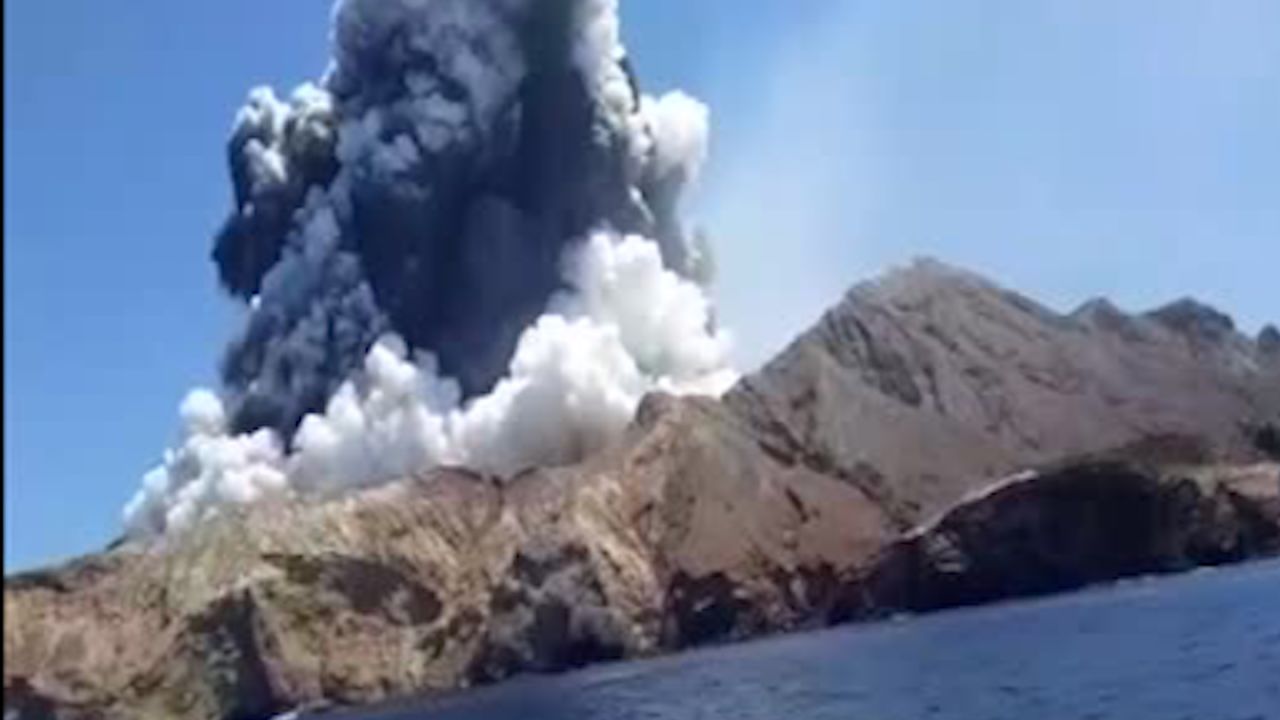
(460, 246)
(428, 185)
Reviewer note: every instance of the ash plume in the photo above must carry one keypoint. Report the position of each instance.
(429, 185)
(460, 246)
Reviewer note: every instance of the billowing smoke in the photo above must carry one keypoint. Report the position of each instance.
(462, 246)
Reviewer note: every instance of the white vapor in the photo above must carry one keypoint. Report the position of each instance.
(209, 468)
(626, 327)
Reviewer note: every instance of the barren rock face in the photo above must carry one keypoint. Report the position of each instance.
(856, 474)
(1082, 523)
(931, 381)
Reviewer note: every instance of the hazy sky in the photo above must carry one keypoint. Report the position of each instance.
(1068, 149)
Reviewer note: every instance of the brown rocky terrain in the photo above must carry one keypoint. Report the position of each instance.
(878, 464)
(930, 381)
(1077, 524)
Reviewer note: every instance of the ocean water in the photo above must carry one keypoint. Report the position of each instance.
(1202, 646)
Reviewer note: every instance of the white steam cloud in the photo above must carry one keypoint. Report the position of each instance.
(627, 327)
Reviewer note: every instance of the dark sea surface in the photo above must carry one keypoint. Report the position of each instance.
(1202, 646)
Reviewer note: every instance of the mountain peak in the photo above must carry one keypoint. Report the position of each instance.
(1192, 317)
(1097, 307)
(922, 277)
(1269, 340)
(928, 269)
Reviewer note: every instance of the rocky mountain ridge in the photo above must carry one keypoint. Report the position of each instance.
(934, 440)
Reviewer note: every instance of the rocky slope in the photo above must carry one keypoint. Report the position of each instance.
(857, 474)
(689, 534)
(930, 381)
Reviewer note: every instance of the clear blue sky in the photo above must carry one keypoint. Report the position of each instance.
(1067, 148)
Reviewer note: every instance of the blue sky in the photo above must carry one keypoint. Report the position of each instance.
(1067, 148)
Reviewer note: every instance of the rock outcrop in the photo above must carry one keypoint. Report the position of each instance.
(852, 476)
(1063, 528)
